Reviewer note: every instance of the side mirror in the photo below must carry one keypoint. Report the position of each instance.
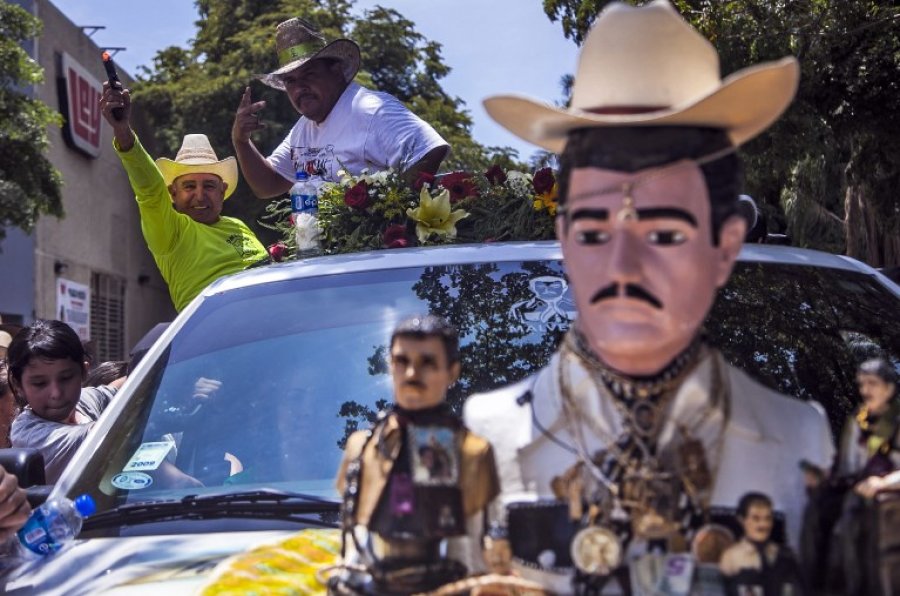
(26, 464)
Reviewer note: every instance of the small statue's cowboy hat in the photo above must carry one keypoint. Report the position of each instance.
(646, 66)
(197, 156)
(297, 42)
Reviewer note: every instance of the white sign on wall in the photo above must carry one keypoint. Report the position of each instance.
(73, 306)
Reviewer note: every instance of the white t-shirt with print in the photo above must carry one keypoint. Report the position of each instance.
(365, 129)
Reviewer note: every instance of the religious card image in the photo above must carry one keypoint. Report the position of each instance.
(435, 457)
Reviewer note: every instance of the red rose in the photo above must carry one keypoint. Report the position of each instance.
(460, 185)
(543, 181)
(423, 179)
(395, 236)
(495, 175)
(357, 196)
(276, 251)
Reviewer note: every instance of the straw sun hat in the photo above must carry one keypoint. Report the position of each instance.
(297, 42)
(197, 156)
(643, 66)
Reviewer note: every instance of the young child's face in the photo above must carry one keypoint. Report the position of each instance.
(52, 387)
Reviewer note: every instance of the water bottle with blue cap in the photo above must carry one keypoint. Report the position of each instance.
(53, 525)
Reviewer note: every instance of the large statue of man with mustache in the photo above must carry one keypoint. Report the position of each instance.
(622, 450)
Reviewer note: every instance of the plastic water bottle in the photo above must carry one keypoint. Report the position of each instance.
(53, 525)
(305, 215)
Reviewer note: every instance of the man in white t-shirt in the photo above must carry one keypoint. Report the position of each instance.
(343, 125)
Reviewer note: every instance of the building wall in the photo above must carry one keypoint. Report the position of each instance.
(100, 232)
(17, 276)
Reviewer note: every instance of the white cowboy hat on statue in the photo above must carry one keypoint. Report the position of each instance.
(646, 66)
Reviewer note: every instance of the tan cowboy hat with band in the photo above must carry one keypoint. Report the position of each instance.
(196, 156)
(297, 42)
(646, 66)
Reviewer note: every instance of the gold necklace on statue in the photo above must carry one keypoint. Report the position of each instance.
(643, 488)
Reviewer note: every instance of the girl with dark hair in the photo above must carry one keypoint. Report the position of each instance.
(47, 365)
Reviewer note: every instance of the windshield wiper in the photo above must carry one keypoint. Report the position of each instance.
(254, 504)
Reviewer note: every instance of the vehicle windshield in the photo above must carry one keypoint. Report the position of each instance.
(263, 385)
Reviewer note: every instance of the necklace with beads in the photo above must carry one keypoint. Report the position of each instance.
(633, 495)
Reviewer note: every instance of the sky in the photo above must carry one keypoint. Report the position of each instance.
(492, 46)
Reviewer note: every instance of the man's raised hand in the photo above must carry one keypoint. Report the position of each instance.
(246, 119)
(115, 98)
(111, 99)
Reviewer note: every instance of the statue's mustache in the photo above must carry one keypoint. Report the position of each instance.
(631, 291)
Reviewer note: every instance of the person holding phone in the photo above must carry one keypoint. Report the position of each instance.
(180, 202)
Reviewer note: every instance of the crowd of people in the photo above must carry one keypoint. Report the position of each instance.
(617, 451)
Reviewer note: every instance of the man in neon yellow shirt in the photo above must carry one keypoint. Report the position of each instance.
(181, 204)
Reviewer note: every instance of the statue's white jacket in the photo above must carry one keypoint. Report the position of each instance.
(765, 437)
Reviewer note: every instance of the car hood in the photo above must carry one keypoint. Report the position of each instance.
(170, 565)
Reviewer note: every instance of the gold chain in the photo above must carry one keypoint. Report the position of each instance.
(719, 398)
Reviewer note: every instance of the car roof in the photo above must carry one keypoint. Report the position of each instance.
(460, 254)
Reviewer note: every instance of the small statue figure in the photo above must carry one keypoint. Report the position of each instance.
(756, 565)
(840, 532)
(415, 486)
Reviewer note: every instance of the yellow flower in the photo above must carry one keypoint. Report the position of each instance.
(433, 215)
(547, 200)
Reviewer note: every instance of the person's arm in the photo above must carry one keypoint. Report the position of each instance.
(428, 164)
(57, 442)
(402, 140)
(159, 221)
(117, 384)
(264, 180)
(111, 99)
(14, 508)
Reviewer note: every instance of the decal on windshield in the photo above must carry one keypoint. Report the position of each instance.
(132, 480)
(549, 309)
(148, 456)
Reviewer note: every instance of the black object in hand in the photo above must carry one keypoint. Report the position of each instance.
(114, 82)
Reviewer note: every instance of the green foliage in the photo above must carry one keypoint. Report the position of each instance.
(29, 184)
(197, 89)
(843, 127)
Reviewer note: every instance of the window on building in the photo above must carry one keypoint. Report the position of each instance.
(108, 317)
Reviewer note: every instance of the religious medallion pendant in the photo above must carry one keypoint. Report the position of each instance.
(652, 498)
(693, 467)
(596, 550)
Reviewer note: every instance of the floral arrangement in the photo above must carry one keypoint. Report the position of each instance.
(380, 210)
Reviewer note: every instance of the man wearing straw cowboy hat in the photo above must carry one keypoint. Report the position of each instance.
(343, 125)
(616, 458)
(180, 202)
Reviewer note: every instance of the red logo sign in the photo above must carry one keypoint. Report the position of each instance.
(83, 106)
